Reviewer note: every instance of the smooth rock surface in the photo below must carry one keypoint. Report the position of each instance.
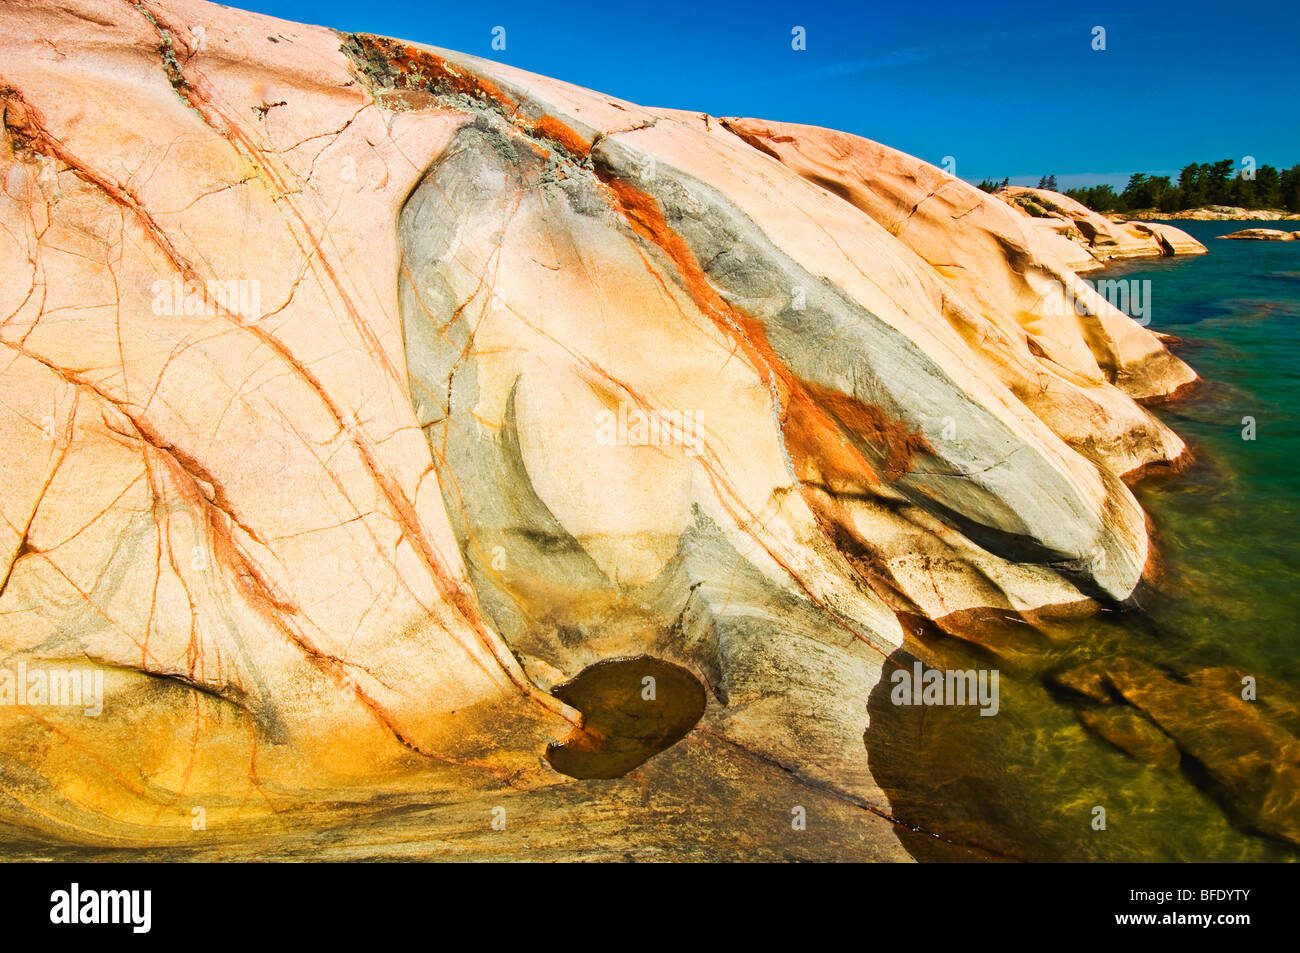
(1101, 237)
(358, 393)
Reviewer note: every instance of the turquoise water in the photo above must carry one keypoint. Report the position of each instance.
(1228, 526)
(1026, 784)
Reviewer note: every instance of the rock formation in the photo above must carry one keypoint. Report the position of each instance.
(1088, 240)
(1213, 213)
(359, 393)
(1263, 235)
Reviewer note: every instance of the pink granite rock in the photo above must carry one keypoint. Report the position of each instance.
(358, 393)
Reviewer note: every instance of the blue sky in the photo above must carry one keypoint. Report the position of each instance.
(1011, 89)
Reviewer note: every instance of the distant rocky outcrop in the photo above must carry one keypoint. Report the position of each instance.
(1211, 213)
(359, 395)
(1087, 239)
(1264, 235)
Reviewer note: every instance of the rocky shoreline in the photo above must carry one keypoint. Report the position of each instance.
(353, 539)
(1088, 240)
(1211, 213)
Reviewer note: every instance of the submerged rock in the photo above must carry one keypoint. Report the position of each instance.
(1240, 733)
(1089, 680)
(1133, 734)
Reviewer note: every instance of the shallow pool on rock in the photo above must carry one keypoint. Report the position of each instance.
(633, 708)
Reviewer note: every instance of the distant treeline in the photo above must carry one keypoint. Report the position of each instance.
(1199, 184)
